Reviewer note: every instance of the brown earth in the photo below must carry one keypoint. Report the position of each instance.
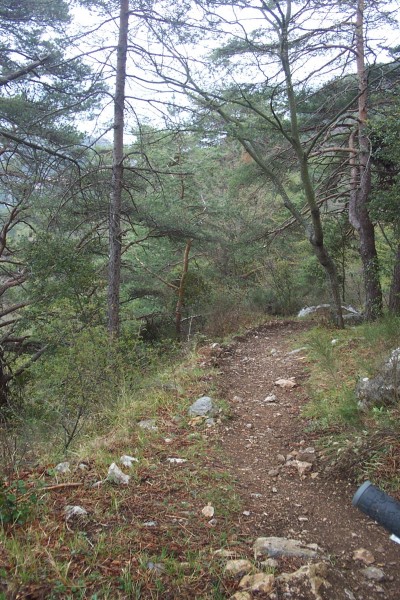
(314, 509)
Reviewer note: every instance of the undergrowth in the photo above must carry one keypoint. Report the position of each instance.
(359, 444)
(147, 539)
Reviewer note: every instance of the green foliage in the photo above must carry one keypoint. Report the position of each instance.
(16, 502)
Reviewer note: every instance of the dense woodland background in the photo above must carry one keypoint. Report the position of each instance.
(174, 170)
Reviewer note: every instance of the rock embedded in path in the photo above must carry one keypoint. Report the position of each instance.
(238, 568)
(270, 399)
(302, 467)
(364, 556)
(203, 406)
(286, 384)
(313, 575)
(258, 583)
(277, 546)
(373, 573)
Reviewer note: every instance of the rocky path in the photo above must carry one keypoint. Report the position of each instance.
(280, 474)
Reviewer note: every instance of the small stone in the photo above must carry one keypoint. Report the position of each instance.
(83, 466)
(176, 461)
(72, 512)
(302, 467)
(246, 513)
(150, 524)
(115, 475)
(202, 407)
(259, 582)
(241, 596)
(276, 546)
(249, 425)
(349, 594)
(270, 398)
(280, 458)
(208, 511)
(286, 383)
(364, 556)
(274, 490)
(149, 424)
(158, 568)
(238, 568)
(373, 573)
(237, 399)
(273, 472)
(128, 460)
(62, 467)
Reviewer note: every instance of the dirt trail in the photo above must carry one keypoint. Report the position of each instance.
(315, 508)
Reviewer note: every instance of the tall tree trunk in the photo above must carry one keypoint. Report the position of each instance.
(181, 290)
(394, 295)
(115, 234)
(361, 169)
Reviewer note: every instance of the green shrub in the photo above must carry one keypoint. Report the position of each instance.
(16, 503)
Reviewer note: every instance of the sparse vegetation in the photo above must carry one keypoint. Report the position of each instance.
(360, 445)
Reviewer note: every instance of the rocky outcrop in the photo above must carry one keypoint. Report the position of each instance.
(324, 312)
(384, 388)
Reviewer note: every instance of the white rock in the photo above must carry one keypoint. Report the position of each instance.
(238, 568)
(275, 547)
(115, 475)
(62, 467)
(176, 461)
(297, 351)
(270, 398)
(208, 511)
(74, 511)
(203, 406)
(149, 424)
(128, 460)
(286, 383)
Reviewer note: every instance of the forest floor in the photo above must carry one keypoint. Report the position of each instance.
(315, 508)
(156, 537)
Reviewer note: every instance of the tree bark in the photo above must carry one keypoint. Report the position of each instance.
(394, 295)
(316, 235)
(115, 234)
(361, 179)
(181, 290)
